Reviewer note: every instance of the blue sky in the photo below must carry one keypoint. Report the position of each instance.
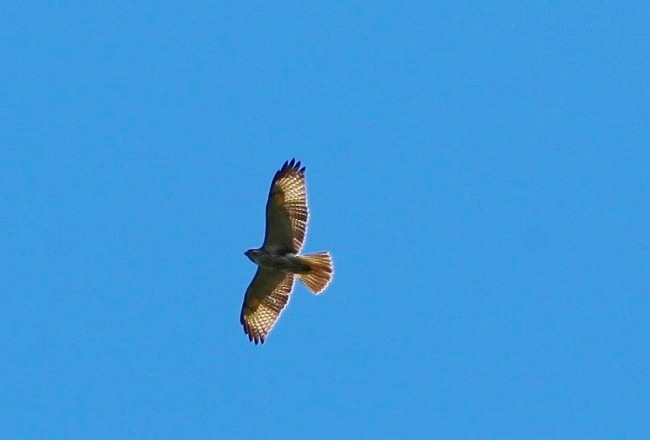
(479, 171)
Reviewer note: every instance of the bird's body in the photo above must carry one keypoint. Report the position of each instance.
(279, 260)
(283, 261)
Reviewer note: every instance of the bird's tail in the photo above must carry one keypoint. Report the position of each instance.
(320, 271)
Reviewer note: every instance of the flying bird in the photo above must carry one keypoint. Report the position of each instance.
(279, 260)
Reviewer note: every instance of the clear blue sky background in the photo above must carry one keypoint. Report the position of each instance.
(480, 173)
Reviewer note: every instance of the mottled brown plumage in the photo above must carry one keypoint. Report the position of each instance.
(278, 259)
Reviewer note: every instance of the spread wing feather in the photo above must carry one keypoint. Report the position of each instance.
(266, 297)
(286, 209)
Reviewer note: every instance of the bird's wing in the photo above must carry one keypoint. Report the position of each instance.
(286, 209)
(264, 301)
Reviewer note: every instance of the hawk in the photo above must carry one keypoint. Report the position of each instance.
(279, 260)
